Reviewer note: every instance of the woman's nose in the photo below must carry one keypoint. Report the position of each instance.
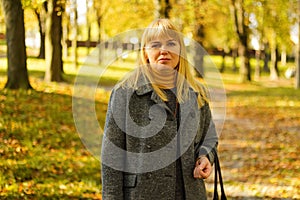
(164, 50)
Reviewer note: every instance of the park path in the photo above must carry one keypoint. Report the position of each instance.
(259, 149)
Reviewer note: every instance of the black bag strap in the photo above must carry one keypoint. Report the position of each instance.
(218, 175)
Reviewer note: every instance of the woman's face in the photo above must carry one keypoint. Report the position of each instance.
(163, 53)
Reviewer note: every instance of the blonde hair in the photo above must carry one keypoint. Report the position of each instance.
(185, 78)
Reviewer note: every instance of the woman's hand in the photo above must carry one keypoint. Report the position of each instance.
(203, 168)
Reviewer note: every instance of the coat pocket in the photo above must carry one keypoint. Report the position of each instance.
(129, 180)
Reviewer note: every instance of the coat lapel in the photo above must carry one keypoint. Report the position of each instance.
(144, 87)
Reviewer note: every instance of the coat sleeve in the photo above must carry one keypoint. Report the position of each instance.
(209, 140)
(112, 158)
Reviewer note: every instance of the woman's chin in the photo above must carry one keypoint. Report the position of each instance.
(163, 67)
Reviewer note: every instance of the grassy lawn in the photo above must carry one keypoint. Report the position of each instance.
(42, 156)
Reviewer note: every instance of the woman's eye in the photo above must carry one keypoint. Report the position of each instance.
(155, 46)
(171, 44)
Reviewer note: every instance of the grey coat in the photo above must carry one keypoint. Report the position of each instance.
(140, 144)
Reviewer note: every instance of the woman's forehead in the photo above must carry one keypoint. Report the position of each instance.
(161, 34)
(162, 39)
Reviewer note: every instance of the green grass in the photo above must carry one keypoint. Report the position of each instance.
(42, 156)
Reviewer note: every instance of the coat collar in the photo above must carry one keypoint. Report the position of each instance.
(143, 85)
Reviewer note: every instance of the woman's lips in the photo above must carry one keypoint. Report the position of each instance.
(164, 59)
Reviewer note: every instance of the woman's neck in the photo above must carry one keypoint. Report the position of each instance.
(165, 79)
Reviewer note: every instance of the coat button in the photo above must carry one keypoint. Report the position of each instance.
(192, 114)
(148, 175)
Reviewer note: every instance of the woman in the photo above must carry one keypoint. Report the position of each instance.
(159, 134)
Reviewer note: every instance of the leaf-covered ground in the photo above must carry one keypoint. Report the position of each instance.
(259, 145)
(42, 156)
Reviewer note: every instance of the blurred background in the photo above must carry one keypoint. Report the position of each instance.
(254, 44)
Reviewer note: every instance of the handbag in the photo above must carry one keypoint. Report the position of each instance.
(218, 175)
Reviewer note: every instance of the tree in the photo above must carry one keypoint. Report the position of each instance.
(41, 15)
(74, 31)
(273, 21)
(135, 14)
(241, 22)
(192, 16)
(297, 78)
(219, 31)
(54, 63)
(88, 24)
(200, 8)
(162, 8)
(274, 14)
(16, 50)
(209, 24)
(40, 9)
(101, 8)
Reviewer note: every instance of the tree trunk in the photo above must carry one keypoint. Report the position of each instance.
(257, 67)
(41, 15)
(241, 29)
(88, 41)
(198, 62)
(16, 51)
(157, 9)
(199, 35)
(283, 56)
(297, 78)
(99, 39)
(168, 9)
(266, 58)
(234, 57)
(162, 8)
(222, 69)
(245, 65)
(54, 64)
(75, 28)
(274, 72)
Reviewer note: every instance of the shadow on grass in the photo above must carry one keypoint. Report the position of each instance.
(106, 82)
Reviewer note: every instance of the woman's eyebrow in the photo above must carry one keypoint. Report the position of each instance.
(173, 40)
(158, 41)
(155, 42)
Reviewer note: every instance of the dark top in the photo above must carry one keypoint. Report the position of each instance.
(173, 104)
